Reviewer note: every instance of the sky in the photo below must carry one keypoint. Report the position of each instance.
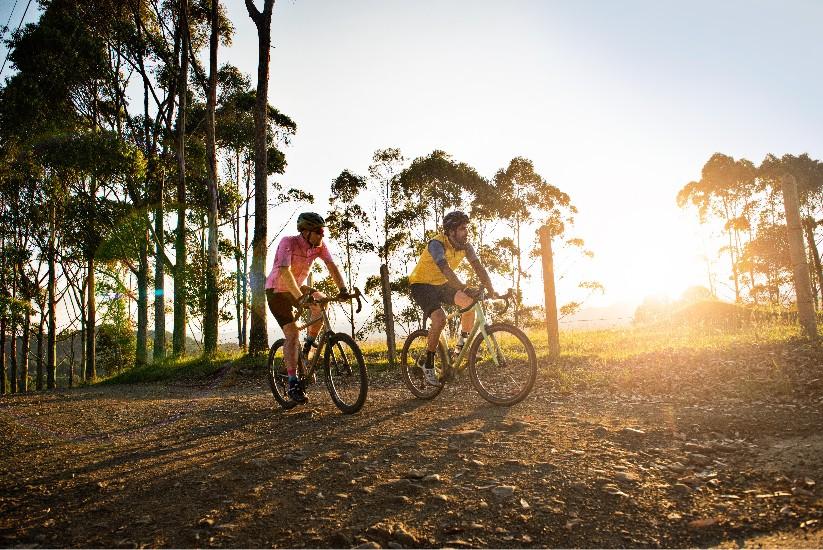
(619, 104)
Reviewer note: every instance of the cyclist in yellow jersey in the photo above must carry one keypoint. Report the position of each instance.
(433, 282)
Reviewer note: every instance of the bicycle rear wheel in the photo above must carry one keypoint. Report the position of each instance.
(346, 375)
(278, 377)
(503, 368)
(413, 357)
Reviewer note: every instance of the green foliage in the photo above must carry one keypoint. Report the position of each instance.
(186, 368)
(116, 345)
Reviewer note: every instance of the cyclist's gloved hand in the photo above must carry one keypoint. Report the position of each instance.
(492, 293)
(344, 292)
(473, 293)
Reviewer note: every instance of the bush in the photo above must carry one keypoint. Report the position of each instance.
(116, 348)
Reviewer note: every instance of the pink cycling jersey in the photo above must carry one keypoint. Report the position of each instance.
(297, 253)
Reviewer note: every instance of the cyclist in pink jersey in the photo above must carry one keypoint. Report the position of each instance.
(285, 289)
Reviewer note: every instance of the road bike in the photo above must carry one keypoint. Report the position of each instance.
(500, 359)
(343, 366)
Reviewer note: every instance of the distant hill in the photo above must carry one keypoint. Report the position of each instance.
(593, 318)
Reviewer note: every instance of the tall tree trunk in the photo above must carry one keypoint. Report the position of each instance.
(141, 352)
(210, 320)
(24, 353)
(237, 256)
(809, 226)
(13, 339)
(179, 336)
(40, 328)
(83, 325)
(13, 353)
(2, 352)
(51, 345)
(517, 277)
(159, 351)
(3, 311)
(246, 266)
(91, 319)
(159, 227)
(259, 339)
(734, 269)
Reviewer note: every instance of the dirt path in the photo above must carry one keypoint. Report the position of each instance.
(207, 466)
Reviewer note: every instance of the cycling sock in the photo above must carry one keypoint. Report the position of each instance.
(429, 359)
(293, 377)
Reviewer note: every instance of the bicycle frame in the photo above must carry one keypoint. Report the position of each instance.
(479, 327)
(323, 336)
(325, 330)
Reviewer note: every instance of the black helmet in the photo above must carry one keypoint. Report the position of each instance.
(453, 220)
(309, 221)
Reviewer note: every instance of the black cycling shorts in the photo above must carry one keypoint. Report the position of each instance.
(282, 305)
(431, 297)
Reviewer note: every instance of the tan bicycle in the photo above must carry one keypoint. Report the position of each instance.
(500, 359)
(345, 371)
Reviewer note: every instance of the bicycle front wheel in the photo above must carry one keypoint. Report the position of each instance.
(346, 375)
(503, 367)
(412, 359)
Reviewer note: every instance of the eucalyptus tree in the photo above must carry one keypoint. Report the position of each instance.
(210, 321)
(809, 175)
(4, 294)
(235, 127)
(727, 190)
(522, 197)
(384, 170)
(432, 185)
(179, 333)
(348, 223)
(259, 340)
(153, 48)
(84, 162)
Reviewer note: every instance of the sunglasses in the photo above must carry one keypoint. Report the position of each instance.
(320, 231)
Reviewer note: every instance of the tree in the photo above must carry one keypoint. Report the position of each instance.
(383, 171)
(726, 189)
(83, 162)
(179, 334)
(521, 196)
(809, 175)
(259, 340)
(349, 223)
(210, 321)
(435, 184)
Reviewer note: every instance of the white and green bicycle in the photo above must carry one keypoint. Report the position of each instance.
(500, 358)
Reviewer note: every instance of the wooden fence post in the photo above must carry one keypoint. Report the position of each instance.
(388, 314)
(550, 300)
(800, 268)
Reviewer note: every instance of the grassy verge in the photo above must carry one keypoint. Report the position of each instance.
(756, 361)
(663, 359)
(185, 368)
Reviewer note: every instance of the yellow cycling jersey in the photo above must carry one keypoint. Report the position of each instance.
(427, 272)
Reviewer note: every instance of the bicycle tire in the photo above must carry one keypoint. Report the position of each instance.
(346, 376)
(415, 344)
(278, 377)
(518, 357)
